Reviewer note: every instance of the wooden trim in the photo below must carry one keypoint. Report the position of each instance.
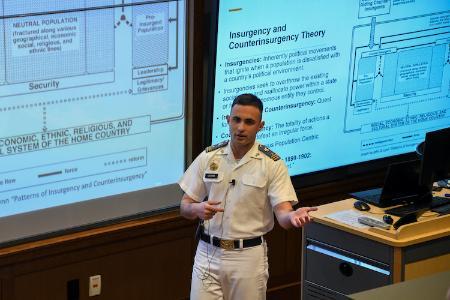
(427, 267)
(287, 291)
(397, 263)
(284, 286)
(162, 218)
(425, 229)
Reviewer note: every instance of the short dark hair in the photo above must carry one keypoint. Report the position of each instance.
(248, 99)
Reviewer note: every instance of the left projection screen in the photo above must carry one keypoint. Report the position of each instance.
(92, 125)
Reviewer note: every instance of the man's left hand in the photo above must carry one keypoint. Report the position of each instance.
(301, 216)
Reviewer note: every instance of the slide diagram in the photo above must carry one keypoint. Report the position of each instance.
(74, 45)
(154, 55)
(88, 91)
(45, 51)
(399, 75)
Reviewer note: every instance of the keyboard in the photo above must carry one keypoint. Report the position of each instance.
(443, 209)
(407, 209)
(374, 198)
(418, 207)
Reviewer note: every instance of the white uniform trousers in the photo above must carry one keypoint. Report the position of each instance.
(237, 274)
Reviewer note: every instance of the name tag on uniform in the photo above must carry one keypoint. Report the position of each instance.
(211, 175)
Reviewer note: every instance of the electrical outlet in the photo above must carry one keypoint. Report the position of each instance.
(95, 285)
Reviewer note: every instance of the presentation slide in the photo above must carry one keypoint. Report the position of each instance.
(342, 81)
(92, 97)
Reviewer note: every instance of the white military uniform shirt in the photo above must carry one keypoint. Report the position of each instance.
(248, 189)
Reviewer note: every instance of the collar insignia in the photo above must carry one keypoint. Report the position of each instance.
(216, 146)
(268, 152)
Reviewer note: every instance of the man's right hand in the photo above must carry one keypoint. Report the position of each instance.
(192, 209)
(207, 209)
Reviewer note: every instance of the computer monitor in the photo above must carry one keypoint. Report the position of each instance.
(435, 158)
(435, 166)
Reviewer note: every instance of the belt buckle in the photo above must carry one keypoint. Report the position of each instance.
(227, 244)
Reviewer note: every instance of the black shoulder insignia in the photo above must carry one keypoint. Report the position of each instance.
(216, 146)
(268, 152)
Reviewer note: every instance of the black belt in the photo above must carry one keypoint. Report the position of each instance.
(231, 244)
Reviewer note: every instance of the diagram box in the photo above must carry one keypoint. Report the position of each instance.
(370, 8)
(150, 35)
(73, 40)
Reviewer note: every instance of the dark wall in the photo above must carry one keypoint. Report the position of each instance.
(146, 259)
(149, 258)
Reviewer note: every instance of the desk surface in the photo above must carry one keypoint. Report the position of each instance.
(435, 286)
(430, 226)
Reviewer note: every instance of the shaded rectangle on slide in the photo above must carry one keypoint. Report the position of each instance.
(413, 70)
(366, 77)
(150, 35)
(44, 40)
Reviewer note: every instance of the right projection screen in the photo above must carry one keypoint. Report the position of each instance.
(342, 82)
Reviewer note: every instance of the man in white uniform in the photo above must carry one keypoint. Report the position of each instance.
(234, 188)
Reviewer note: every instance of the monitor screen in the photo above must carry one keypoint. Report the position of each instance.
(342, 82)
(89, 93)
(435, 158)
